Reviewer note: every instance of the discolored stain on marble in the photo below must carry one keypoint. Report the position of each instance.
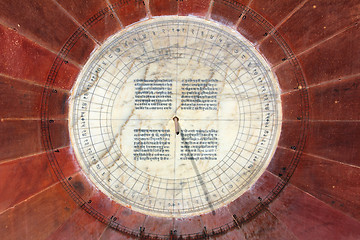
(39, 216)
(22, 99)
(336, 58)
(310, 218)
(195, 8)
(83, 11)
(331, 182)
(42, 21)
(274, 11)
(22, 178)
(266, 226)
(317, 20)
(228, 12)
(163, 7)
(80, 225)
(129, 12)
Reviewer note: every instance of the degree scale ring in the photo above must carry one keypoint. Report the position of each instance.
(213, 80)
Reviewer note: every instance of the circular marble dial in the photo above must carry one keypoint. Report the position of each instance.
(175, 116)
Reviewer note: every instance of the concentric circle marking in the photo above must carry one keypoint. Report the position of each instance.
(123, 107)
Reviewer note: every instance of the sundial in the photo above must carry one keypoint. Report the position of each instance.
(175, 116)
(172, 119)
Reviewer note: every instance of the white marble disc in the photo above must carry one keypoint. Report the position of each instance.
(213, 80)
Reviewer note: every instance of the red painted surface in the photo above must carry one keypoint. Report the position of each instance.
(195, 8)
(234, 234)
(317, 21)
(81, 50)
(281, 161)
(340, 54)
(19, 138)
(22, 99)
(337, 100)
(331, 182)
(271, 50)
(321, 201)
(129, 12)
(43, 22)
(251, 29)
(266, 226)
(80, 225)
(163, 7)
(286, 76)
(130, 219)
(228, 12)
(158, 225)
(66, 76)
(292, 105)
(217, 218)
(337, 141)
(290, 134)
(188, 225)
(111, 234)
(254, 196)
(23, 56)
(84, 10)
(19, 181)
(276, 10)
(39, 216)
(65, 158)
(310, 218)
